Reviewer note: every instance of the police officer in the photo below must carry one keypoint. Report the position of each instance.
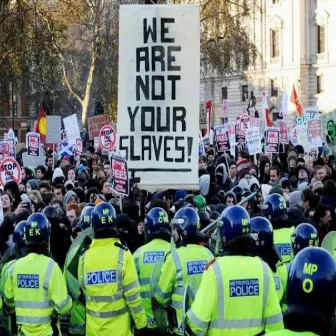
(35, 285)
(20, 251)
(237, 294)
(107, 274)
(266, 249)
(157, 235)
(304, 235)
(181, 265)
(275, 210)
(311, 294)
(85, 217)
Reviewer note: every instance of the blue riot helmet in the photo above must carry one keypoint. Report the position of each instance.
(311, 290)
(103, 218)
(156, 223)
(274, 207)
(37, 230)
(304, 235)
(187, 224)
(262, 231)
(234, 222)
(85, 217)
(51, 213)
(19, 238)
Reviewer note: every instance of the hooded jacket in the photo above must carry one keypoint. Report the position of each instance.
(222, 180)
(58, 174)
(296, 210)
(67, 197)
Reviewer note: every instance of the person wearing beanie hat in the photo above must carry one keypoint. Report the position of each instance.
(296, 208)
(32, 184)
(243, 164)
(317, 187)
(70, 197)
(58, 176)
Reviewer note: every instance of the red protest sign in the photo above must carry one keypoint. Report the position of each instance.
(10, 170)
(107, 137)
(240, 137)
(244, 123)
(283, 131)
(4, 150)
(272, 140)
(314, 131)
(222, 139)
(79, 148)
(119, 169)
(95, 123)
(33, 144)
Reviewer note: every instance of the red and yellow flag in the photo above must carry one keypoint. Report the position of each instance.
(41, 126)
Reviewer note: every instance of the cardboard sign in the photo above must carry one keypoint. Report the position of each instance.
(203, 123)
(253, 140)
(225, 108)
(54, 129)
(10, 170)
(4, 150)
(283, 131)
(244, 123)
(33, 142)
(33, 161)
(314, 127)
(272, 140)
(107, 138)
(120, 182)
(240, 137)
(222, 139)
(71, 128)
(95, 123)
(158, 101)
(79, 148)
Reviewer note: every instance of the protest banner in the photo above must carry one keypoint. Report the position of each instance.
(329, 131)
(298, 136)
(258, 122)
(244, 123)
(10, 138)
(54, 129)
(33, 161)
(222, 138)
(4, 150)
(314, 127)
(231, 128)
(312, 112)
(283, 131)
(240, 137)
(96, 143)
(79, 148)
(33, 142)
(107, 138)
(71, 128)
(10, 170)
(203, 123)
(95, 123)
(253, 140)
(120, 180)
(272, 140)
(225, 108)
(158, 94)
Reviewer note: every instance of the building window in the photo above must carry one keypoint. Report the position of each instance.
(244, 93)
(275, 43)
(224, 93)
(319, 84)
(274, 88)
(224, 120)
(320, 39)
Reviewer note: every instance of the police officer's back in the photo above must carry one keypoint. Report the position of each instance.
(107, 274)
(275, 210)
(237, 294)
(266, 249)
(36, 286)
(311, 294)
(183, 263)
(158, 235)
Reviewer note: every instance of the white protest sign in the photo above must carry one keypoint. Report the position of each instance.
(71, 128)
(302, 137)
(10, 170)
(158, 98)
(107, 137)
(33, 161)
(253, 141)
(311, 112)
(54, 129)
(231, 128)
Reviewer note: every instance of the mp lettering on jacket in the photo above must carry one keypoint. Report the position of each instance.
(196, 267)
(101, 277)
(284, 249)
(28, 281)
(245, 287)
(153, 256)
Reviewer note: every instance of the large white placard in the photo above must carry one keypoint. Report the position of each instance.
(159, 85)
(253, 141)
(71, 128)
(54, 129)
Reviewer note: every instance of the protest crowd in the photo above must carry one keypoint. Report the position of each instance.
(163, 230)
